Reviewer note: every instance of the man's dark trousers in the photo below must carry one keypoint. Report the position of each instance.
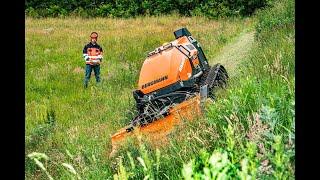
(88, 71)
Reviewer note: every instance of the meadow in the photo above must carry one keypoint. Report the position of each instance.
(250, 128)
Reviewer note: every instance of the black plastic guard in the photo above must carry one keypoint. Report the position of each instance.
(181, 32)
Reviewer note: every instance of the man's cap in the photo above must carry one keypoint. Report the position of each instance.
(94, 35)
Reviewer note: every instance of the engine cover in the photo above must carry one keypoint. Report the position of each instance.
(167, 65)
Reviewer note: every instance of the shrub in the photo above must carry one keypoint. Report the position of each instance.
(132, 8)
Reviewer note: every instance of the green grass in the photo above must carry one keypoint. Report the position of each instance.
(255, 118)
(63, 117)
(248, 132)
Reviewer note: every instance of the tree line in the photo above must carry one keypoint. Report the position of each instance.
(132, 8)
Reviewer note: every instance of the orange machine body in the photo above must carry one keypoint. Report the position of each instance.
(167, 65)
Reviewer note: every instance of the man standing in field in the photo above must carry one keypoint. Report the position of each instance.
(92, 54)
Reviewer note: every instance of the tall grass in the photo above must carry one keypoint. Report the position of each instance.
(249, 132)
(255, 117)
(84, 119)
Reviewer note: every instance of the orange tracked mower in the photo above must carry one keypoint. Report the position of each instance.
(174, 81)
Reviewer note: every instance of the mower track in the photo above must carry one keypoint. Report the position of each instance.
(235, 52)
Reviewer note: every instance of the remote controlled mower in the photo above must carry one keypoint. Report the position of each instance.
(174, 81)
